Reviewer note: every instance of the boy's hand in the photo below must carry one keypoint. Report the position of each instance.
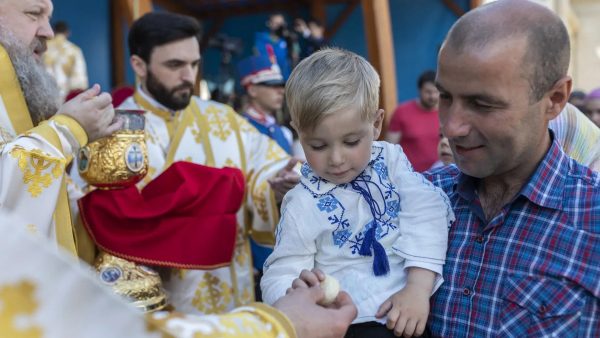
(407, 311)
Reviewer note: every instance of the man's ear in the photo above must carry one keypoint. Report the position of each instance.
(140, 67)
(559, 96)
(378, 123)
(251, 91)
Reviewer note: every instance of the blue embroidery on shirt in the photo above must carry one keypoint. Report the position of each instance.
(327, 203)
(385, 205)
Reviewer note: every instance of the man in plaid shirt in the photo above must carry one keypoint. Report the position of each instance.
(524, 251)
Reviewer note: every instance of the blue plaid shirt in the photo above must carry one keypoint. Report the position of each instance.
(534, 269)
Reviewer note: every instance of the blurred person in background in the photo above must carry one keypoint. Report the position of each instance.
(445, 156)
(313, 36)
(65, 61)
(592, 106)
(282, 40)
(577, 98)
(415, 124)
(264, 87)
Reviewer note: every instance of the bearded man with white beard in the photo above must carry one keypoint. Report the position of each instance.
(38, 137)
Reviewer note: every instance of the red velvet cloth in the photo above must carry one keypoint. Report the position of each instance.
(119, 95)
(184, 218)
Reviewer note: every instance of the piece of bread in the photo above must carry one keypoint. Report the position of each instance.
(331, 288)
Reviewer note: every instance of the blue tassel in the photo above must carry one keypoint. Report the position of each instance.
(381, 265)
(365, 248)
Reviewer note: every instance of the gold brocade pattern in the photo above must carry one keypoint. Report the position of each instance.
(240, 255)
(39, 169)
(17, 300)
(5, 137)
(179, 273)
(212, 295)
(196, 132)
(229, 163)
(275, 153)
(150, 138)
(245, 126)
(247, 296)
(150, 176)
(260, 201)
(219, 126)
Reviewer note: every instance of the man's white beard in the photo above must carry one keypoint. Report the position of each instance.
(38, 86)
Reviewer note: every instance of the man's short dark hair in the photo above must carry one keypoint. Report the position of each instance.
(159, 28)
(547, 55)
(61, 27)
(425, 77)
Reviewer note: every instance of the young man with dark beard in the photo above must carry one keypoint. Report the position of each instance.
(38, 137)
(165, 56)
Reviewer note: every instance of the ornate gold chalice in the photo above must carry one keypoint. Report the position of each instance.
(119, 161)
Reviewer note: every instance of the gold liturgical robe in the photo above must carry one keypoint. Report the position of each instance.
(212, 134)
(47, 294)
(32, 166)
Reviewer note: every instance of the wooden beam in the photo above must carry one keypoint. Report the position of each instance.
(454, 7)
(123, 12)
(476, 3)
(173, 6)
(133, 9)
(341, 19)
(378, 27)
(318, 11)
(238, 11)
(214, 29)
(118, 42)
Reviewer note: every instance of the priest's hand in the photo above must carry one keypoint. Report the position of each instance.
(313, 320)
(94, 112)
(285, 179)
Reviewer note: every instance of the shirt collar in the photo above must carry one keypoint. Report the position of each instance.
(545, 186)
(319, 186)
(260, 117)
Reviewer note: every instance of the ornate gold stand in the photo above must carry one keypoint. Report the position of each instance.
(138, 283)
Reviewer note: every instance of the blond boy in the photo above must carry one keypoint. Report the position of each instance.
(360, 213)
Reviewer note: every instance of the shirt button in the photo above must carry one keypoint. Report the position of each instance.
(543, 309)
(479, 239)
(466, 291)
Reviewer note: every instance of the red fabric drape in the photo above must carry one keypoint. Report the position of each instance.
(184, 218)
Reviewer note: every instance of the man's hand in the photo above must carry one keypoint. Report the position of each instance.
(94, 112)
(315, 321)
(284, 180)
(307, 279)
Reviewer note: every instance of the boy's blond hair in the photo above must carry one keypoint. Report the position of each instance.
(329, 81)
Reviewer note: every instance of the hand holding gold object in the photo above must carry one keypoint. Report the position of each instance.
(118, 160)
